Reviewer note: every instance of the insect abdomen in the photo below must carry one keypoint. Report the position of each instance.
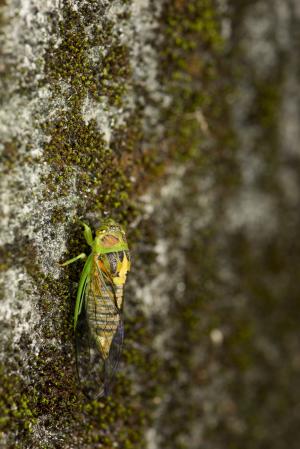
(103, 320)
(119, 292)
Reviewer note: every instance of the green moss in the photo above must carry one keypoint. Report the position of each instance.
(17, 407)
(104, 177)
(268, 100)
(76, 149)
(9, 156)
(191, 71)
(109, 179)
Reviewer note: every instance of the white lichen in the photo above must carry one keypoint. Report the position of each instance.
(135, 33)
(24, 214)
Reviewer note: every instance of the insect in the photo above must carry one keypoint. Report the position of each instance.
(98, 322)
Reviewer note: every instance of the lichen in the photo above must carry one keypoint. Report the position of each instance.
(128, 109)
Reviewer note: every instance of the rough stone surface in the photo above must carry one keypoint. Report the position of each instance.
(180, 120)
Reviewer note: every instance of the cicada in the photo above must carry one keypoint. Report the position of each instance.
(98, 321)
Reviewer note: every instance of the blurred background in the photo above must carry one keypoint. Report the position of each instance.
(179, 119)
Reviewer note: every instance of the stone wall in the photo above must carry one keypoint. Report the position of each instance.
(181, 121)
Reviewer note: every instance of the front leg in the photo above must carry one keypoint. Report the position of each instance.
(88, 235)
(81, 256)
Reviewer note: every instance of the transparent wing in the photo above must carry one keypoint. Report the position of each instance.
(95, 368)
(112, 362)
(89, 361)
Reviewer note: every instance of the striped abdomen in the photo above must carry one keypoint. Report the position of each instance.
(102, 313)
(103, 321)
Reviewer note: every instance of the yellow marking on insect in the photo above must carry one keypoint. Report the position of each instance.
(124, 268)
(105, 343)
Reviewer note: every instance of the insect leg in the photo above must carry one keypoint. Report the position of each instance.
(87, 233)
(81, 256)
(82, 287)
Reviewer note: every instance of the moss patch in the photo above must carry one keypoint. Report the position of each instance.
(108, 178)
